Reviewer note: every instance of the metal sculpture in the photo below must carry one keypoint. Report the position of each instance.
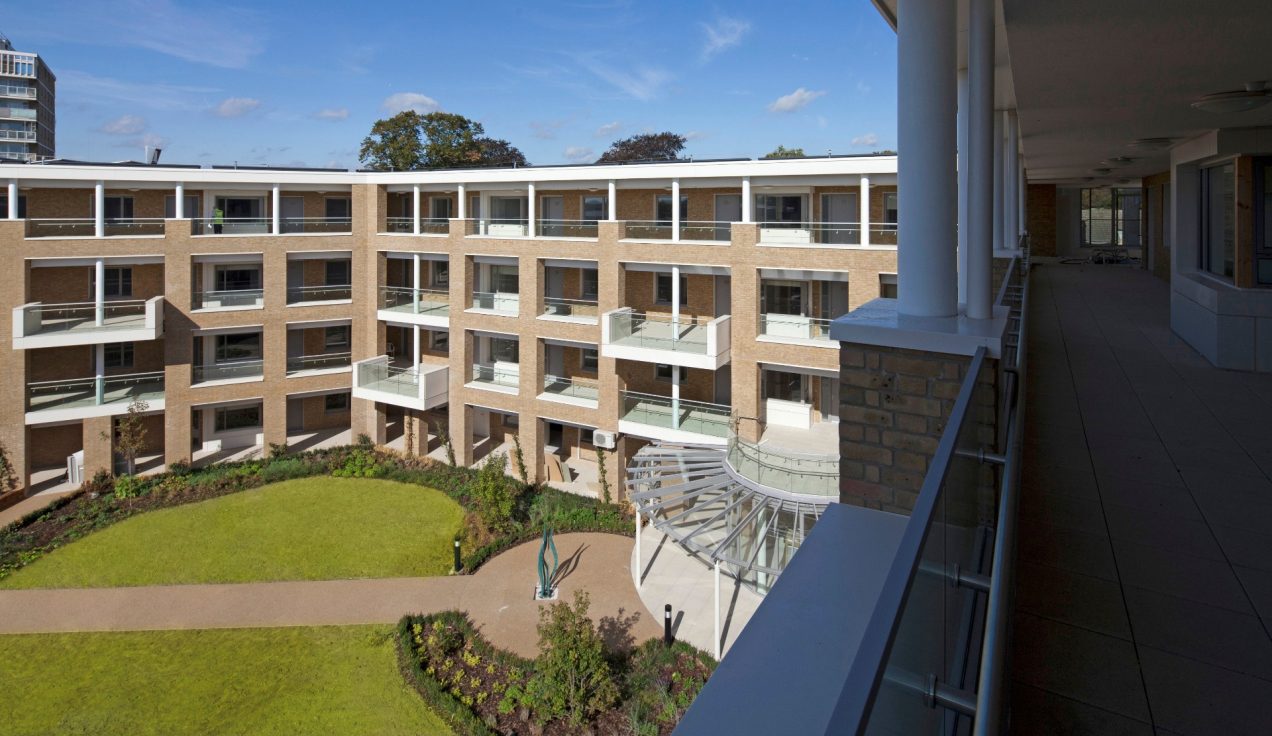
(545, 590)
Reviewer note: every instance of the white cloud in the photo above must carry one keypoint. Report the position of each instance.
(235, 107)
(796, 100)
(869, 139)
(608, 129)
(332, 113)
(85, 87)
(403, 101)
(578, 154)
(642, 84)
(124, 125)
(723, 34)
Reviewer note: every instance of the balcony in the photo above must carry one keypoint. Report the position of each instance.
(319, 294)
(583, 392)
(673, 420)
(796, 328)
(571, 310)
(230, 299)
(566, 229)
(18, 113)
(692, 342)
(784, 470)
(316, 365)
(78, 398)
(228, 371)
(825, 234)
(420, 388)
(707, 231)
(503, 227)
(497, 302)
(38, 325)
(433, 226)
(430, 307)
(209, 226)
(502, 377)
(11, 90)
(86, 227)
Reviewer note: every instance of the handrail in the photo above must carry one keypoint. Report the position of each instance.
(122, 377)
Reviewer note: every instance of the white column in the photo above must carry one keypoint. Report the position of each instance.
(675, 302)
(675, 218)
(640, 565)
(1011, 234)
(997, 146)
(99, 382)
(178, 209)
(461, 192)
(962, 184)
(926, 108)
(415, 282)
(531, 210)
(276, 219)
(675, 320)
(415, 209)
(99, 209)
(415, 349)
(864, 205)
(1022, 190)
(13, 199)
(99, 292)
(746, 199)
(980, 200)
(716, 638)
(611, 201)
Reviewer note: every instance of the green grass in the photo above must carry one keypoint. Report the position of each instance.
(318, 528)
(322, 680)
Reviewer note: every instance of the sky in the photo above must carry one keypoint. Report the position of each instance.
(290, 83)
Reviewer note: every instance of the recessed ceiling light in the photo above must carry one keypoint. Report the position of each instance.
(1242, 100)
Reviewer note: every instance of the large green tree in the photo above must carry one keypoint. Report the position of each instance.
(663, 146)
(409, 141)
(784, 152)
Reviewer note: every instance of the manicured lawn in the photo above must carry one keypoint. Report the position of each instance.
(310, 529)
(322, 680)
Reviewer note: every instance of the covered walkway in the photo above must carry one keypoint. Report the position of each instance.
(1144, 598)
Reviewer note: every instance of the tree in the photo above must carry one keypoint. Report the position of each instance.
(450, 140)
(409, 141)
(8, 478)
(394, 143)
(571, 678)
(784, 152)
(498, 152)
(493, 495)
(645, 147)
(130, 434)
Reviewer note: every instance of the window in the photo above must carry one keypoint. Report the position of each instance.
(237, 278)
(338, 273)
(508, 210)
(238, 346)
(778, 296)
(439, 341)
(1218, 215)
(4, 205)
(662, 289)
(336, 403)
(117, 208)
(594, 208)
(890, 209)
(439, 208)
(439, 274)
(238, 417)
(1262, 220)
(191, 206)
(339, 208)
(888, 285)
(118, 355)
(117, 280)
(590, 359)
(504, 279)
(503, 350)
(785, 386)
(782, 210)
(474, 206)
(239, 208)
(336, 339)
(664, 373)
(662, 208)
(591, 283)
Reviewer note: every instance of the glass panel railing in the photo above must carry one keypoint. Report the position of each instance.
(811, 475)
(687, 416)
(265, 225)
(434, 302)
(399, 224)
(572, 387)
(87, 227)
(121, 315)
(11, 90)
(322, 293)
(325, 361)
(824, 233)
(18, 113)
(229, 369)
(503, 227)
(659, 332)
(84, 392)
(710, 230)
(228, 299)
(795, 326)
(558, 307)
(565, 228)
(496, 375)
(389, 379)
(434, 226)
(500, 301)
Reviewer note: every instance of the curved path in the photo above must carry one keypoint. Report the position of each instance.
(499, 598)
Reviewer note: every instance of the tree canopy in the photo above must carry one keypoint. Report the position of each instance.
(409, 141)
(645, 147)
(784, 152)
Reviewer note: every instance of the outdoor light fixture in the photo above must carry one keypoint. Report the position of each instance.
(1255, 95)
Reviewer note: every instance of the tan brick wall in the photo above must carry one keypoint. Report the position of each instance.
(1154, 189)
(50, 446)
(1040, 209)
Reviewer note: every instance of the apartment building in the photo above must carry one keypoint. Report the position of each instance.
(574, 307)
(28, 110)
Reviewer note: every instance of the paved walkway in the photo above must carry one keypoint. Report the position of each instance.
(499, 598)
(33, 503)
(1145, 557)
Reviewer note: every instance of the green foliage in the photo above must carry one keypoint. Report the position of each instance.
(360, 463)
(130, 433)
(127, 487)
(784, 152)
(493, 495)
(8, 478)
(572, 676)
(519, 458)
(394, 143)
(277, 450)
(364, 441)
(664, 146)
(606, 497)
(410, 141)
(445, 437)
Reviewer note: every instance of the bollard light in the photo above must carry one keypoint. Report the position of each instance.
(667, 625)
(459, 565)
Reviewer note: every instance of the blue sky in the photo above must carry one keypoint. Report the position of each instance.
(292, 83)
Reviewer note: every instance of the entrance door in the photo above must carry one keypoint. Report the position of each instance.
(291, 213)
(728, 208)
(295, 415)
(839, 218)
(552, 216)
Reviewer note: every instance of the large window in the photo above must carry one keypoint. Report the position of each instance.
(191, 205)
(504, 279)
(336, 403)
(117, 282)
(668, 373)
(890, 209)
(4, 205)
(888, 285)
(589, 360)
(662, 289)
(237, 277)
(1111, 217)
(508, 210)
(118, 355)
(594, 208)
(116, 209)
(778, 296)
(336, 339)
(339, 208)
(780, 210)
(785, 386)
(238, 346)
(439, 341)
(238, 417)
(439, 276)
(503, 350)
(1263, 220)
(662, 208)
(590, 287)
(1218, 216)
(338, 273)
(439, 208)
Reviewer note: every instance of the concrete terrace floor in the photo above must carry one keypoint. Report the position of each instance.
(1144, 598)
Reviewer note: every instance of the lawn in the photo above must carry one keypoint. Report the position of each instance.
(319, 528)
(322, 680)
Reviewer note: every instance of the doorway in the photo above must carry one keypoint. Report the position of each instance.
(839, 218)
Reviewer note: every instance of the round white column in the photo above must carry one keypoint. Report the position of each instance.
(980, 201)
(962, 185)
(926, 108)
(276, 216)
(611, 201)
(675, 210)
(415, 210)
(530, 209)
(13, 199)
(99, 209)
(178, 209)
(997, 145)
(1011, 171)
(864, 215)
(746, 199)
(461, 193)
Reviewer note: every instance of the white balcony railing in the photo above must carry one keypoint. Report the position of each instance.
(422, 388)
(692, 342)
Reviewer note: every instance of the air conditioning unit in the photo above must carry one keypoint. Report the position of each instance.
(604, 440)
(75, 468)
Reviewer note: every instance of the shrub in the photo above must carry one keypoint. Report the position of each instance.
(8, 478)
(606, 498)
(445, 437)
(277, 450)
(572, 676)
(126, 487)
(360, 463)
(520, 459)
(493, 495)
